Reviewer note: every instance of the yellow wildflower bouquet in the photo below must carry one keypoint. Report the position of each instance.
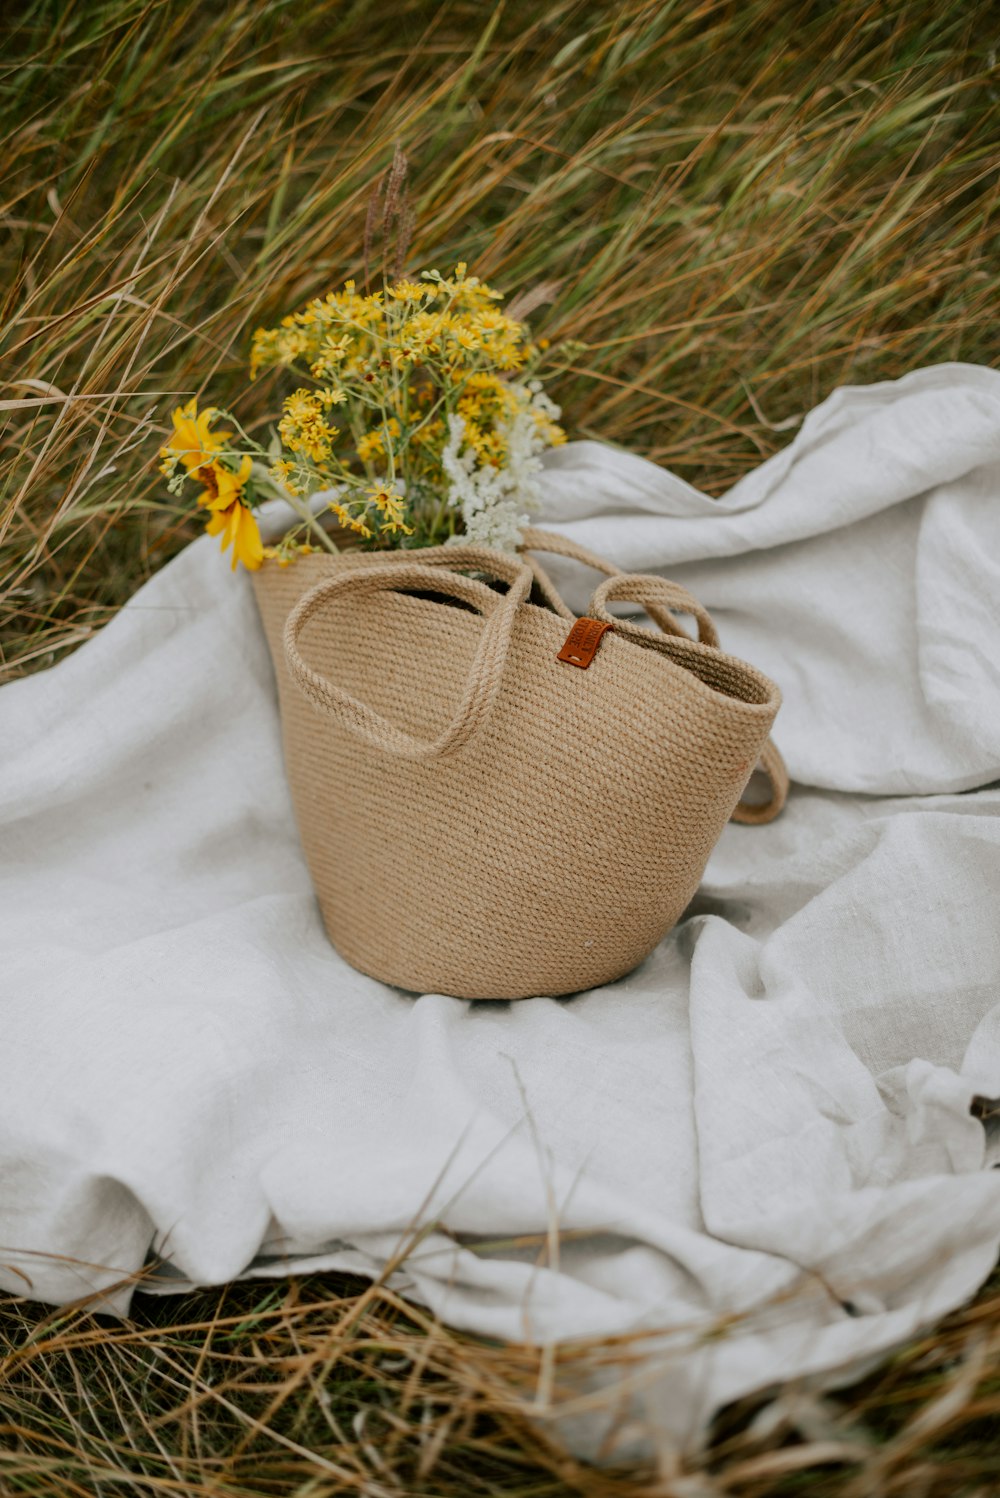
(418, 416)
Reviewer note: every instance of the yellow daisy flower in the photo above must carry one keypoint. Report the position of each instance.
(192, 442)
(238, 528)
(391, 507)
(221, 486)
(230, 517)
(409, 291)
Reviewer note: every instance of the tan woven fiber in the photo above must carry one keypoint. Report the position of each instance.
(771, 763)
(479, 818)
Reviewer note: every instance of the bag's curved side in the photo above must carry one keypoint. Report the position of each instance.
(553, 848)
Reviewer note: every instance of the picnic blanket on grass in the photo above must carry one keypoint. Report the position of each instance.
(780, 1121)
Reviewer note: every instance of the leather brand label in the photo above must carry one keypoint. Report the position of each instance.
(582, 642)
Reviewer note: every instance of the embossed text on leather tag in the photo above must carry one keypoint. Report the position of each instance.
(582, 642)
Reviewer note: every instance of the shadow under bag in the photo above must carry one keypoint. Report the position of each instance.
(497, 800)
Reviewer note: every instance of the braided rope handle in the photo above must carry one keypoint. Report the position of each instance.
(485, 674)
(660, 599)
(534, 540)
(774, 767)
(652, 592)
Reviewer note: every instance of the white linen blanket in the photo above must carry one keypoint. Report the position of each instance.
(773, 1120)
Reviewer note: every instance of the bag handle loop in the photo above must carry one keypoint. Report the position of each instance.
(659, 599)
(775, 769)
(668, 598)
(483, 682)
(560, 546)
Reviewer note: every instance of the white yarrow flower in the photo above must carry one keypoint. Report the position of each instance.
(495, 502)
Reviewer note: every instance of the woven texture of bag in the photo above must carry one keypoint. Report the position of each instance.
(479, 817)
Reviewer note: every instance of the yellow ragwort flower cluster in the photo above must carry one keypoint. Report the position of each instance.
(304, 428)
(411, 371)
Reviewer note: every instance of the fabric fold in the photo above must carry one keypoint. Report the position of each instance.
(772, 1123)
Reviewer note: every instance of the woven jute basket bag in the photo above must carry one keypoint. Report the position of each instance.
(495, 799)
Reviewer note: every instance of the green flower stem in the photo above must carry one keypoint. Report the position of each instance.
(263, 480)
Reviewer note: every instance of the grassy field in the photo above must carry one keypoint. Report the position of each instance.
(733, 207)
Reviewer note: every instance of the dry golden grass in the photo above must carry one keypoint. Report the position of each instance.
(325, 1385)
(735, 207)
